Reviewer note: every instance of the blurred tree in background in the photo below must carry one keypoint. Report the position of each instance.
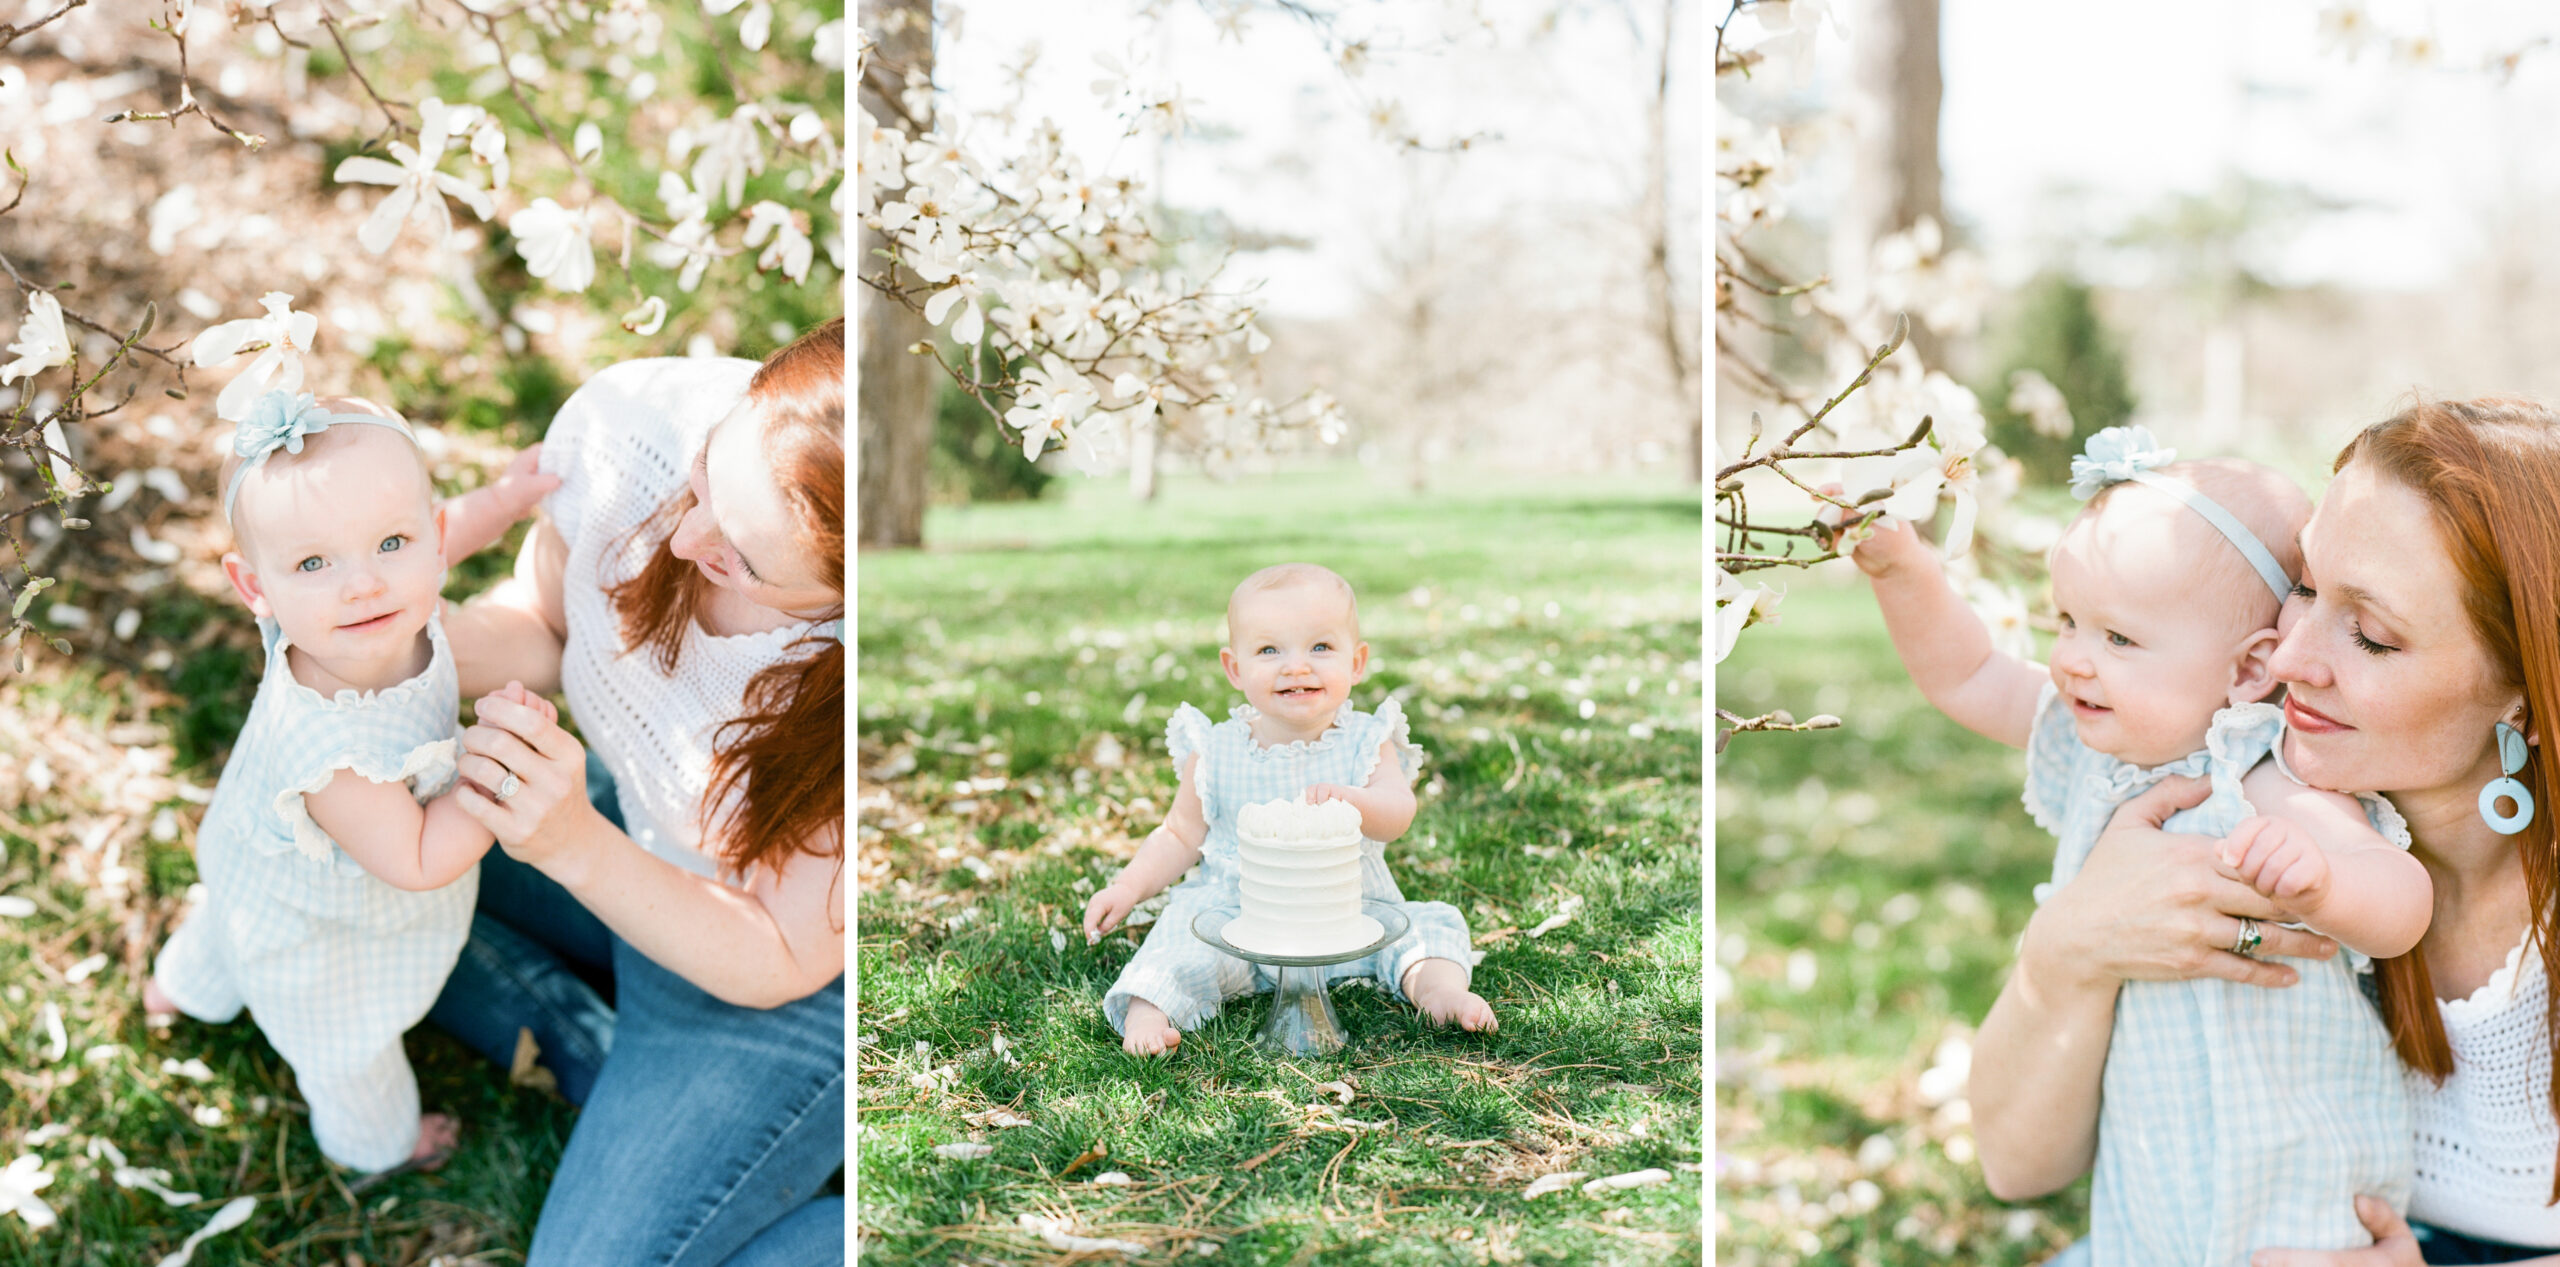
(2056, 334)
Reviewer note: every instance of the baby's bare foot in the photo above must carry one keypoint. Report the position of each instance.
(156, 1003)
(1439, 990)
(437, 1135)
(1146, 1031)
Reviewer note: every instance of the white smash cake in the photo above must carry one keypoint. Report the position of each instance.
(1300, 884)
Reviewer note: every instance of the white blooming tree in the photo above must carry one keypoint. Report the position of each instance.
(1082, 322)
(1851, 423)
(580, 180)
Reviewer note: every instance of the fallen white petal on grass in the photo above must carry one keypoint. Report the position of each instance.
(996, 1118)
(191, 1069)
(1057, 941)
(18, 1187)
(57, 1044)
(1003, 1049)
(1631, 1179)
(47, 1133)
(1557, 1182)
(1054, 1233)
(228, 1217)
(15, 907)
(102, 1053)
(208, 1115)
(154, 1181)
(1564, 914)
(963, 1151)
(85, 969)
(1341, 1091)
(939, 1079)
(1110, 1179)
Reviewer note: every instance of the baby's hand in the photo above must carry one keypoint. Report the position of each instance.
(1876, 545)
(522, 486)
(1106, 909)
(517, 692)
(1319, 793)
(2279, 859)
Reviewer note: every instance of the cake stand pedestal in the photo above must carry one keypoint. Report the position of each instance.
(1302, 1022)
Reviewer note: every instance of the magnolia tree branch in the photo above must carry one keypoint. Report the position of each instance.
(10, 34)
(173, 23)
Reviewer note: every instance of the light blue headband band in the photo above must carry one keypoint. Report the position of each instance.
(280, 420)
(2126, 454)
(831, 630)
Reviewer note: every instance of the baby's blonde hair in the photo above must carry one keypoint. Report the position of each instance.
(2265, 501)
(1285, 575)
(315, 446)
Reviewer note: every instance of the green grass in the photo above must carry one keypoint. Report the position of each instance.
(85, 851)
(1003, 666)
(1870, 884)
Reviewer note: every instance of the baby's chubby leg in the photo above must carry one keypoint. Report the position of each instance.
(1438, 988)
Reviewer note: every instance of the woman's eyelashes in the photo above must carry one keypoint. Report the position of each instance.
(2355, 630)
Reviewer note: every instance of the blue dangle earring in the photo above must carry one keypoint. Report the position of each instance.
(2511, 753)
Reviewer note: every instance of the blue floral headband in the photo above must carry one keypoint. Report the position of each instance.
(280, 420)
(2121, 455)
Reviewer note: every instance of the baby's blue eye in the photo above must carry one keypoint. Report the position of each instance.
(391, 543)
(1267, 651)
(311, 564)
(2115, 639)
(1324, 646)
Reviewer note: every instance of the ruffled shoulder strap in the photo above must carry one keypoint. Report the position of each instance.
(1387, 727)
(426, 769)
(1186, 735)
(2053, 745)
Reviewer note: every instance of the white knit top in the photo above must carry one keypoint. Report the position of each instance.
(2486, 1139)
(622, 445)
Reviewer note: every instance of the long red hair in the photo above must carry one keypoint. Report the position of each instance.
(783, 758)
(2491, 470)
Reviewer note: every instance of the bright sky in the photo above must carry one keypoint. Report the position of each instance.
(1288, 147)
(2133, 101)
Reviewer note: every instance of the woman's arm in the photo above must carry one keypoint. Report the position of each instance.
(779, 939)
(514, 631)
(2146, 905)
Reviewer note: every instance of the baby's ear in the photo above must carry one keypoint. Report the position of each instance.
(244, 582)
(444, 549)
(2252, 678)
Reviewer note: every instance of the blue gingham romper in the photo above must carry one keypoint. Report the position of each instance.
(1187, 977)
(333, 964)
(2232, 1117)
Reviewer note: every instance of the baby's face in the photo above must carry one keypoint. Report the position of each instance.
(342, 546)
(1296, 653)
(2143, 658)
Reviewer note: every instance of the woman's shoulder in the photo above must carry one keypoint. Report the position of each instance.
(633, 424)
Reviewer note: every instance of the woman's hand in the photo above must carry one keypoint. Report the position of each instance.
(518, 734)
(2152, 906)
(2394, 1245)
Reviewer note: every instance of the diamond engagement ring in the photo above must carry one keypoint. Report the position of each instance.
(2246, 944)
(513, 785)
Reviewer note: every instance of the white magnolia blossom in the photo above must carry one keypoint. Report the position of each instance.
(489, 149)
(587, 142)
(1915, 272)
(647, 318)
(1739, 605)
(19, 1185)
(554, 243)
(2034, 397)
(287, 335)
(730, 151)
(791, 250)
(417, 187)
(43, 341)
(1053, 399)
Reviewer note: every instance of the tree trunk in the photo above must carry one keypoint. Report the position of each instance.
(1895, 86)
(896, 399)
(1679, 339)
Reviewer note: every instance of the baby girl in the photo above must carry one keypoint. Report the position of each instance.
(339, 871)
(2232, 1116)
(1294, 649)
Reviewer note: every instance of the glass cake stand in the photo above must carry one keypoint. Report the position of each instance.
(1302, 1022)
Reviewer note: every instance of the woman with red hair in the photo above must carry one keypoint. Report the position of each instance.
(685, 589)
(2420, 659)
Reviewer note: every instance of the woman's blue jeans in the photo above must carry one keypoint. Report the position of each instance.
(706, 1131)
